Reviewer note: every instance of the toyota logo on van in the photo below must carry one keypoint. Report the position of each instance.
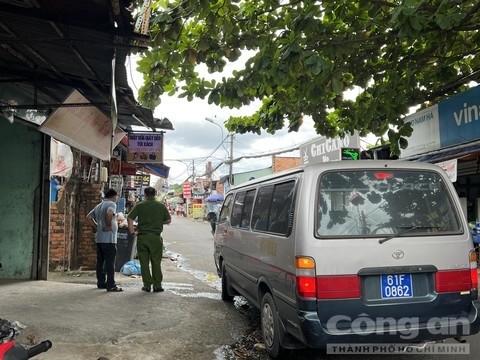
(398, 254)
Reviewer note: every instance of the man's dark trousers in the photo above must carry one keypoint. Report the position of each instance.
(106, 265)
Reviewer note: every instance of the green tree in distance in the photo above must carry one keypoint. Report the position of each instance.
(301, 56)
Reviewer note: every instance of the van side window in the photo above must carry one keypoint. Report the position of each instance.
(226, 208)
(237, 209)
(242, 209)
(281, 208)
(247, 209)
(273, 208)
(261, 210)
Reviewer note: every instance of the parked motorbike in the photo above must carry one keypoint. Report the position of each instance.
(11, 350)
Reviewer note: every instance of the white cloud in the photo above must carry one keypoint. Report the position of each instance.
(194, 138)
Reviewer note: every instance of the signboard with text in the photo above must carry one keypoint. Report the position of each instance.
(145, 147)
(426, 133)
(350, 154)
(452, 121)
(117, 167)
(142, 180)
(187, 190)
(323, 149)
(459, 118)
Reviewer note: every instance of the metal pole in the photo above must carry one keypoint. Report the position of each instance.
(230, 174)
(193, 170)
(209, 170)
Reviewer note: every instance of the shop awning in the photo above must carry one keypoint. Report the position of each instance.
(50, 48)
(462, 151)
(161, 170)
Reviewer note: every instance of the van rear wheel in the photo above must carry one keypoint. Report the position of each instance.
(225, 286)
(270, 327)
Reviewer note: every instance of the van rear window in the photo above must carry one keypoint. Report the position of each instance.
(382, 202)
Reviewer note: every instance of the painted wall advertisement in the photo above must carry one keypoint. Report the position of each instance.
(145, 147)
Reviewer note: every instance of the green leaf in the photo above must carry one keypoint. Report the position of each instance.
(337, 85)
(403, 143)
(299, 58)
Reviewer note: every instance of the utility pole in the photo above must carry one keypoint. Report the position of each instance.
(209, 172)
(230, 174)
(193, 170)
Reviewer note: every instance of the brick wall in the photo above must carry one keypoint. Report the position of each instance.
(85, 251)
(284, 163)
(72, 244)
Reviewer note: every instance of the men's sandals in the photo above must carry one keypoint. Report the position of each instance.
(115, 289)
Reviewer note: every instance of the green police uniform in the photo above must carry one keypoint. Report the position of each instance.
(151, 215)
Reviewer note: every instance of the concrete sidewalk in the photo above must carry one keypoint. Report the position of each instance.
(187, 321)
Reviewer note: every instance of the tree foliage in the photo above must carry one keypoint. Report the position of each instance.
(303, 55)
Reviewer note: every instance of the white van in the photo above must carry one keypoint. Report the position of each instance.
(350, 252)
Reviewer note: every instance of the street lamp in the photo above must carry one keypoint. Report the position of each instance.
(210, 120)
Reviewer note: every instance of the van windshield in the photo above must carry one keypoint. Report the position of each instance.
(375, 203)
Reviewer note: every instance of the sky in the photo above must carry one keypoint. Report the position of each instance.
(193, 141)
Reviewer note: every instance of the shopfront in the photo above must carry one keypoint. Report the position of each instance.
(448, 134)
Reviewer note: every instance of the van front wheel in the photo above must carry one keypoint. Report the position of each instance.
(270, 327)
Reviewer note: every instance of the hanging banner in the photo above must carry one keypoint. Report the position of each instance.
(61, 159)
(85, 128)
(145, 147)
(450, 167)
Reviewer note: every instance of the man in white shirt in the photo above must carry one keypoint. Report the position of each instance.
(102, 219)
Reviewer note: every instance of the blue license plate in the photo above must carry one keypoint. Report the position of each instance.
(396, 286)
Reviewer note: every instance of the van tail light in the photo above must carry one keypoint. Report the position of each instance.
(310, 286)
(473, 269)
(459, 280)
(453, 280)
(305, 277)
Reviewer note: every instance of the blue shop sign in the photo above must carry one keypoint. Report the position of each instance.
(459, 118)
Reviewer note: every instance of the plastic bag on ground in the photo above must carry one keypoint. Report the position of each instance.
(131, 267)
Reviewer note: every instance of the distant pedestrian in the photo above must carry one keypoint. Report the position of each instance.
(212, 218)
(151, 215)
(178, 209)
(103, 219)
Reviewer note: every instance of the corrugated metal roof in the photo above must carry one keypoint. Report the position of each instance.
(49, 47)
